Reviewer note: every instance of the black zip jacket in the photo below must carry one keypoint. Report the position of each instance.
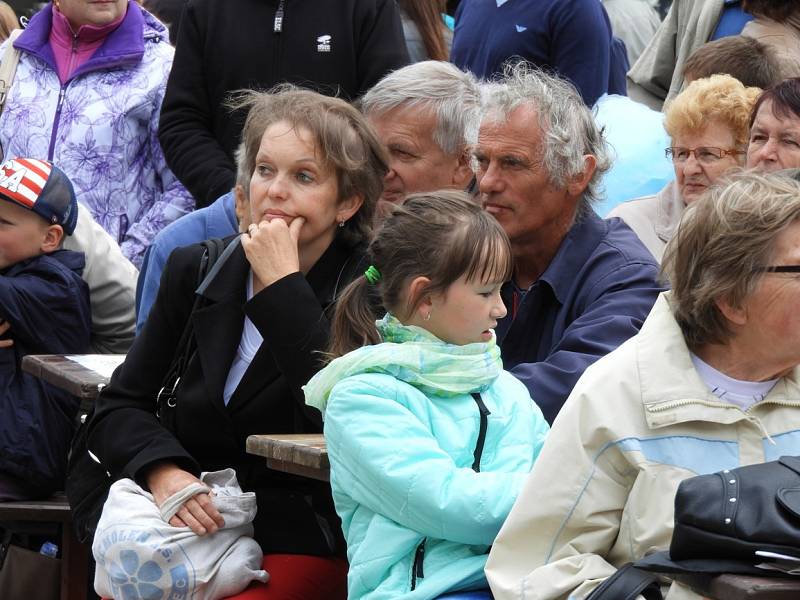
(336, 47)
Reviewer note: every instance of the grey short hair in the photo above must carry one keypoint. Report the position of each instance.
(452, 95)
(567, 125)
(719, 246)
(242, 174)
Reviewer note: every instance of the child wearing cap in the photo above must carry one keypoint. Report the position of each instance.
(44, 309)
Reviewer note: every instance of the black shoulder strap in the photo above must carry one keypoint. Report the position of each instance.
(213, 256)
(627, 584)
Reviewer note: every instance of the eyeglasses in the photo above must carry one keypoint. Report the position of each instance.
(705, 155)
(779, 269)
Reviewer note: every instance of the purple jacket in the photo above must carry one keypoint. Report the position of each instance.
(101, 126)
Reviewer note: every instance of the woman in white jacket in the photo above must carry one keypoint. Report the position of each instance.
(709, 383)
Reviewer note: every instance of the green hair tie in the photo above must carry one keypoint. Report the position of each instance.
(373, 275)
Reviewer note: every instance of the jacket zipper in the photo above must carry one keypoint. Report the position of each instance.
(149, 36)
(277, 28)
(56, 119)
(416, 569)
(748, 416)
(277, 25)
(51, 150)
(721, 404)
(419, 556)
(484, 412)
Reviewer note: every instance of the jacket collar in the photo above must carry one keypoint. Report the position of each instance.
(218, 325)
(573, 253)
(74, 261)
(123, 47)
(339, 258)
(671, 389)
(669, 210)
(61, 30)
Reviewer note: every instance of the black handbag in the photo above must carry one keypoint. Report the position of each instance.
(731, 514)
(88, 482)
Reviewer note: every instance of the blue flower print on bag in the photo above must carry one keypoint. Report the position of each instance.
(141, 565)
(135, 582)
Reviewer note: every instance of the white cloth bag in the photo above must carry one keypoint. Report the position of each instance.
(140, 555)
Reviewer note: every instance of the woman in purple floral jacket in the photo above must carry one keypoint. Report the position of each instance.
(87, 96)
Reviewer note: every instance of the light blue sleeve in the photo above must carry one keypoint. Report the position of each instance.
(150, 278)
(385, 458)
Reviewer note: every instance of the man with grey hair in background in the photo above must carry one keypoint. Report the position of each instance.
(426, 114)
(581, 285)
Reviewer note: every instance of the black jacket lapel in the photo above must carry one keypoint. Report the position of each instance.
(218, 325)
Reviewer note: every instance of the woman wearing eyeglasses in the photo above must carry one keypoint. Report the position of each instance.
(710, 382)
(708, 123)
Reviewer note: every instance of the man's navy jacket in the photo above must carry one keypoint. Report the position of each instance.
(594, 295)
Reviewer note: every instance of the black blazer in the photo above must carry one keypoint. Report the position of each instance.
(295, 514)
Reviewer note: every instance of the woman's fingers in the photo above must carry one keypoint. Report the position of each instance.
(191, 522)
(295, 226)
(176, 521)
(204, 500)
(271, 249)
(199, 516)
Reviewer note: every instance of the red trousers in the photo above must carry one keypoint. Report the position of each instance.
(299, 577)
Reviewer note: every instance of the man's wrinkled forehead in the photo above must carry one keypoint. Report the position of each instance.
(519, 128)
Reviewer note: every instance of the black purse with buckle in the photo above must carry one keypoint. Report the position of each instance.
(88, 481)
(731, 514)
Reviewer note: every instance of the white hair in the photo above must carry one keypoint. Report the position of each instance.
(451, 95)
(567, 125)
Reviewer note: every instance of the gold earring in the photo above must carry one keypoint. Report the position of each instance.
(428, 316)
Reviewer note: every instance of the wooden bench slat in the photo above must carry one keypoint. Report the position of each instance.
(300, 453)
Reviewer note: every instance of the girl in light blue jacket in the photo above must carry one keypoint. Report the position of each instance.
(429, 438)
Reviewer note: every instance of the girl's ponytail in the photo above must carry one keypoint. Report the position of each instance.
(354, 320)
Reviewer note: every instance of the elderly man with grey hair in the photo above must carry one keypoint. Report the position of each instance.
(581, 285)
(426, 114)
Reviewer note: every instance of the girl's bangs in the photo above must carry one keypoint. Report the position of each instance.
(491, 260)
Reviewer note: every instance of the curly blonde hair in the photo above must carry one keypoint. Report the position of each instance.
(719, 98)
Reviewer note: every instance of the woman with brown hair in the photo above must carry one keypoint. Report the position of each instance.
(775, 128)
(427, 36)
(316, 171)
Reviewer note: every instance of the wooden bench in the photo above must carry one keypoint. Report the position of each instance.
(303, 454)
(74, 555)
(743, 587)
(67, 373)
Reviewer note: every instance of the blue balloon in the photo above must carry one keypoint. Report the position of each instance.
(636, 137)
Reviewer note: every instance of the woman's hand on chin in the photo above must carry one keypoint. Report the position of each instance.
(271, 248)
(198, 512)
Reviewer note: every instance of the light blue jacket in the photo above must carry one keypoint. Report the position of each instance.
(403, 480)
(215, 221)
